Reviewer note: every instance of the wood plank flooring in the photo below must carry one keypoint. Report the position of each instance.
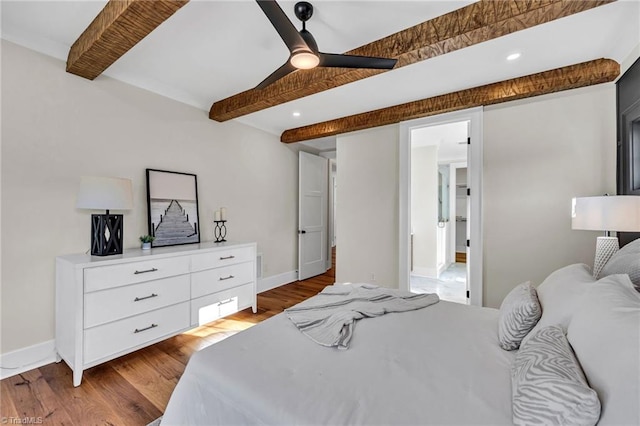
(461, 257)
(134, 389)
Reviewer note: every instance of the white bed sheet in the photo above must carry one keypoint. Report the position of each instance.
(437, 365)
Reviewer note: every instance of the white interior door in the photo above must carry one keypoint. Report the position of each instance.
(312, 215)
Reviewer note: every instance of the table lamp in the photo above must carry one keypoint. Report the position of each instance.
(104, 193)
(619, 213)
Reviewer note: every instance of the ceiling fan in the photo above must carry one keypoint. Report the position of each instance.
(303, 47)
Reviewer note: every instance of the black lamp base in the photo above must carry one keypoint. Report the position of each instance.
(106, 234)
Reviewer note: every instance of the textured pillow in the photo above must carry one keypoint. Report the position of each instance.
(519, 312)
(559, 295)
(547, 384)
(605, 335)
(625, 261)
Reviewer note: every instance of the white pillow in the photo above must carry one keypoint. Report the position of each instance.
(547, 384)
(605, 335)
(519, 312)
(559, 295)
(625, 261)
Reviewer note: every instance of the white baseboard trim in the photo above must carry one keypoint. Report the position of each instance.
(443, 268)
(425, 272)
(25, 359)
(274, 281)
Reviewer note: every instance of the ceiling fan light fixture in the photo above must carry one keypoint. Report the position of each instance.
(304, 60)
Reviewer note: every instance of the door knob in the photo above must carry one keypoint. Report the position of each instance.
(302, 232)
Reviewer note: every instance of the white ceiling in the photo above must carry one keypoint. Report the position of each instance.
(450, 138)
(210, 50)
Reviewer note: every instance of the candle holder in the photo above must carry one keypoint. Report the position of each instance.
(220, 231)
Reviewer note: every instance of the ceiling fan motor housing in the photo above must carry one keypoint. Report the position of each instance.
(311, 42)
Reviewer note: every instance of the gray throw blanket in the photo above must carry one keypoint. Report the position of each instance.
(328, 318)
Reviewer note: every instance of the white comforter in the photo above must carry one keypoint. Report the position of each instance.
(438, 365)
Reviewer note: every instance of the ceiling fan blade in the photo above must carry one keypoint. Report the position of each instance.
(277, 75)
(283, 25)
(351, 61)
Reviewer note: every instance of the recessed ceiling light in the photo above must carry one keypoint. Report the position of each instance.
(296, 114)
(513, 56)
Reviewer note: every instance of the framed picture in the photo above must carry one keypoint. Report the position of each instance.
(172, 205)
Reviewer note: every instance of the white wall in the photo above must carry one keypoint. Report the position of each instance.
(367, 207)
(57, 127)
(424, 209)
(538, 154)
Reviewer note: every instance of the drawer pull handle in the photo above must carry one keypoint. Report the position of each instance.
(227, 257)
(226, 278)
(145, 271)
(145, 329)
(137, 299)
(225, 302)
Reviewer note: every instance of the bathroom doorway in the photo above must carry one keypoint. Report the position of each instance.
(439, 210)
(440, 206)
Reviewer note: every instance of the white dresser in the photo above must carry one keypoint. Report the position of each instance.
(109, 306)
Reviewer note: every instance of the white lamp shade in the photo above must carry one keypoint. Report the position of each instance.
(105, 193)
(608, 213)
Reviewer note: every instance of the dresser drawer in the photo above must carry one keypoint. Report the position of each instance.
(105, 277)
(224, 257)
(120, 302)
(209, 308)
(109, 339)
(218, 279)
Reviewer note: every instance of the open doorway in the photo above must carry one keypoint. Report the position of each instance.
(443, 246)
(439, 210)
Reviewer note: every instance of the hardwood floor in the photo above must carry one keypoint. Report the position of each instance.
(133, 389)
(461, 257)
(332, 272)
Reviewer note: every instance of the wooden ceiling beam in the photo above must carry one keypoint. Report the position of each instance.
(470, 25)
(565, 78)
(117, 28)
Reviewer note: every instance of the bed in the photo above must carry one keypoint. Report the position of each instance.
(439, 365)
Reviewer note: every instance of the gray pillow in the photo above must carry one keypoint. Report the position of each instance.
(548, 387)
(560, 294)
(625, 261)
(519, 313)
(605, 336)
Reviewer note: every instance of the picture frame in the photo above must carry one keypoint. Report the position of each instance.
(172, 208)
